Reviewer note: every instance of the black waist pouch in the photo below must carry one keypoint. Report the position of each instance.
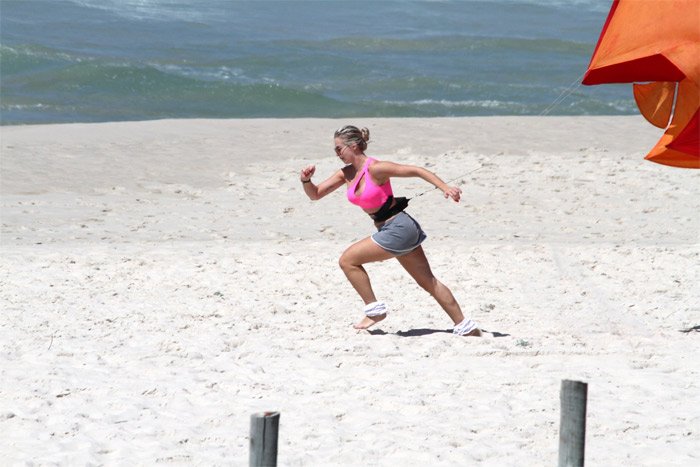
(387, 210)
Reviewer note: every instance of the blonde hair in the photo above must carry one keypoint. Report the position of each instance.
(353, 135)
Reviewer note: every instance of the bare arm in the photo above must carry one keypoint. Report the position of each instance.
(383, 171)
(316, 192)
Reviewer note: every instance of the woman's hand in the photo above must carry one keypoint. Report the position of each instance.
(307, 173)
(452, 192)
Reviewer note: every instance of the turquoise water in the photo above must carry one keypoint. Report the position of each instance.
(115, 60)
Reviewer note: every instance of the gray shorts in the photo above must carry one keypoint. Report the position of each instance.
(399, 235)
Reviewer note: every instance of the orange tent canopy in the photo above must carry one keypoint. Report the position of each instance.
(656, 41)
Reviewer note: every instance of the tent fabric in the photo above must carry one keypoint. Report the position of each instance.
(687, 105)
(655, 101)
(656, 41)
(688, 140)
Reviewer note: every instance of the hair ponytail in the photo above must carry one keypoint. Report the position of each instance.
(352, 135)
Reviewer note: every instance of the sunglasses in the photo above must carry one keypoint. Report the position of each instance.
(339, 150)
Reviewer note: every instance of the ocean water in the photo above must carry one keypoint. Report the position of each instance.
(116, 60)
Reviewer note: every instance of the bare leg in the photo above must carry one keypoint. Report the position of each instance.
(416, 264)
(351, 261)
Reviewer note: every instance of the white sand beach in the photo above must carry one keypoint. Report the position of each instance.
(162, 281)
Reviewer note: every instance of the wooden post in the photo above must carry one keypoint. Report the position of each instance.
(572, 429)
(263, 439)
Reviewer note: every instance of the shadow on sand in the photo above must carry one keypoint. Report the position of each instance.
(426, 332)
(689, 330)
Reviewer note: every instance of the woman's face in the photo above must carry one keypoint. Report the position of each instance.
(342, 150)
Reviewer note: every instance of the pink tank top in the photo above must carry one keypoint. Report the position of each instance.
(372, 196)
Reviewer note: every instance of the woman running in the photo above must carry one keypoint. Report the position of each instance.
(398, 234)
